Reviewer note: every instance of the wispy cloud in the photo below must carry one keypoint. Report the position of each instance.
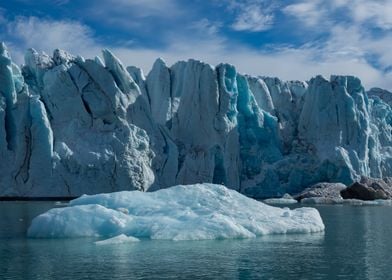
(143, 8)
(251, 15)
(363, 12)
(46, 2)
(126, 14)
(253, 18)
(345, 49)
(206, 27)
(60, 2)
(3, 20)
(354, 36)
(287, 63)
(308, 12)
(376, 13)
(46, 35)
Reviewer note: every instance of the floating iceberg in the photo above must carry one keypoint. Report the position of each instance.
(119, 239)
(183, 212)
(286, 199)
(353, 202)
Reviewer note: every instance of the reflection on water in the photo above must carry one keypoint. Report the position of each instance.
(355, 245)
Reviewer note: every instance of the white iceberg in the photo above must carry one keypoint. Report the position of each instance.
(183, 212)
(286, 199)
(353, 202)
(322, 200)
(119, 239)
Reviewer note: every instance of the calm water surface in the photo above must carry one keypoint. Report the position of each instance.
(357, 244)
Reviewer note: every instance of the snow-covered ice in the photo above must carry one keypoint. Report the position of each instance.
(183, 212)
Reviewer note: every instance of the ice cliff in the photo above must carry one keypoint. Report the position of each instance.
(70, 126)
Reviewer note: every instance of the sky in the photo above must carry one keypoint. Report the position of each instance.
(290, 39)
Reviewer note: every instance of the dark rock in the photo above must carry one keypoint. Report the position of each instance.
(330, 191)
(369, 189)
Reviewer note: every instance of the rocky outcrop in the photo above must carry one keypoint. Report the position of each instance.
(325, 191)
(369, 189)
(70, 125)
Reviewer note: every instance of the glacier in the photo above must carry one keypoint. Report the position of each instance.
(191, 212)
(71, 126)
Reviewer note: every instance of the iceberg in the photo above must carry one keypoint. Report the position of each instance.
(119, 239)
(286, 199)
(183, 212)
(71, 126)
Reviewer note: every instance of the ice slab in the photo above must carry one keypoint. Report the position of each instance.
(119, 239)
(280, 201)
(183, 212)
(354, 202)
(322, 200)
(285, 199)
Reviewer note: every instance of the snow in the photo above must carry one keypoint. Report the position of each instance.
(183, 212)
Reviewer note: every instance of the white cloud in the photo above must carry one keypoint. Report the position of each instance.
(249, 15)
(206, 27)
(253, 18)
(370, 13)
(46, 35)
(351, 37)
(377, 13)
(308, 12)
(287, 64)
(344, 54)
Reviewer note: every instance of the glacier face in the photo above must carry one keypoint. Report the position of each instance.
(70, 126)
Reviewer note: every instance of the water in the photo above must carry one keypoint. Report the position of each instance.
(357, 244)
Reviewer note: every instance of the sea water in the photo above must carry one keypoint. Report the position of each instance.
(357, 244)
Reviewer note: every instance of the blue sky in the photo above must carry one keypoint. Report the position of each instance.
(292, 39)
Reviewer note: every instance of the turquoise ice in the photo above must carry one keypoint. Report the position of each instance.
(192, 212)
(71, 126)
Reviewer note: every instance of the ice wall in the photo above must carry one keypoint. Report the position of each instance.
(70, 125)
